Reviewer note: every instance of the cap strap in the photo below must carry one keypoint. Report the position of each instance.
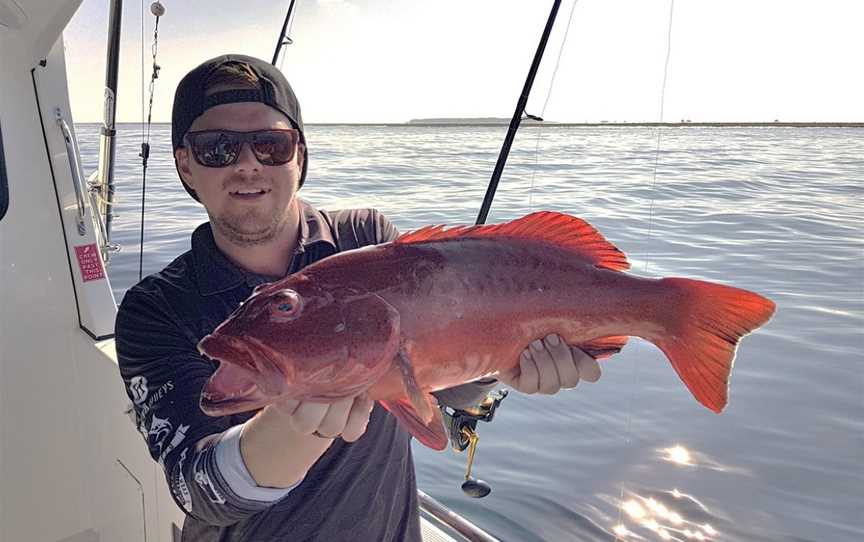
(236, 96)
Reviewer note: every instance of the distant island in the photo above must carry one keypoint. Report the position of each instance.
(473, 121)
(497, 121)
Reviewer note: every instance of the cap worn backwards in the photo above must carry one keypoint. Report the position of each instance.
(191, 99)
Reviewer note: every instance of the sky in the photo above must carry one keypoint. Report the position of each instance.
(365, 61)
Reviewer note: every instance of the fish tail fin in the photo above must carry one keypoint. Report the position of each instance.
(701, 344)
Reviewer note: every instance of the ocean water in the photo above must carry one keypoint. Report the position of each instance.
(633, 456)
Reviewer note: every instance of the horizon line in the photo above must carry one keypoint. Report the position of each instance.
(469, 122)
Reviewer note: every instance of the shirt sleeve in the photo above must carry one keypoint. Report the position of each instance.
(466, 395)
(385, 230)
(164, 376)
(230, 462)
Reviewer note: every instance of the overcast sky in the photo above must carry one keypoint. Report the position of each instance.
(394, 60)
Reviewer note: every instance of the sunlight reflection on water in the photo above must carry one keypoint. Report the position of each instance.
(650, 514)
(678, 454)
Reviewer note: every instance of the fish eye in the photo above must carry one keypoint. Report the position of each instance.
(286, 303)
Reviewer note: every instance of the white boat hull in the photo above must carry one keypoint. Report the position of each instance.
(72, 465)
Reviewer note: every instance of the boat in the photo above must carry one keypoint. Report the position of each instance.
(72, 464)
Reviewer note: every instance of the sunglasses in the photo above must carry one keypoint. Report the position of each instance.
(221, 148)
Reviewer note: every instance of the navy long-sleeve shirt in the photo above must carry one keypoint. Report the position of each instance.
(364, 490)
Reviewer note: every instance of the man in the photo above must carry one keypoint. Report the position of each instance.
(293, 470)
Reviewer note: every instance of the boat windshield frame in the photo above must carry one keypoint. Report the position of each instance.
(4, 185)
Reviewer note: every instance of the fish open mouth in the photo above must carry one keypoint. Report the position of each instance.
(230, 390)
(233, 388)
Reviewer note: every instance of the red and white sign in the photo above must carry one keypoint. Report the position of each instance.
(89, 262)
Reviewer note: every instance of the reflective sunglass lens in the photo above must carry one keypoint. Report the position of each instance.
(273, 148)
(216, 149)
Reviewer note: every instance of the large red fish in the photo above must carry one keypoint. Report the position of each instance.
(440, 307)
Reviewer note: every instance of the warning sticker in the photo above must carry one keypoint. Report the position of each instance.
(89, 262)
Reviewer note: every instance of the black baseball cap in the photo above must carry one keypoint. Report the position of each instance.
(191, 99)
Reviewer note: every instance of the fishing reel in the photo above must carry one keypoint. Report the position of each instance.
(462, 429)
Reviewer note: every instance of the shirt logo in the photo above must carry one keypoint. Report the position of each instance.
(138, 387)
(179, 487)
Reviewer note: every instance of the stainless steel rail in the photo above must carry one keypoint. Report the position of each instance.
(74, 167)
(452, 520)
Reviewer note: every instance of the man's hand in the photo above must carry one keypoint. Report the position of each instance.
(281, 443)
(345, 419)
(550, 365)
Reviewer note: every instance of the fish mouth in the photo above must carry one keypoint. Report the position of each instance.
(245, 380)
(230, 393)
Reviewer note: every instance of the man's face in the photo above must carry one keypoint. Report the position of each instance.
(248, 203)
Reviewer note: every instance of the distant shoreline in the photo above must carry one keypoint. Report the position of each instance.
(626, 124)
(468, 123)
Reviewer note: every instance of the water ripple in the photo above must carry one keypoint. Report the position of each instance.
(777, 210)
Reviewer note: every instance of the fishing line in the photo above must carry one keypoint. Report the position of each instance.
(157, 10)
(284, 38)
(143, 16)
(629, 430)
(546, 102)
(287, 33)
(659, 127)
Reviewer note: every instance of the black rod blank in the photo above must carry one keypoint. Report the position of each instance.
(517, 116)
(282, 41)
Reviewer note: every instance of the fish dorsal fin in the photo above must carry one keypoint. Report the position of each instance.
(557, 229)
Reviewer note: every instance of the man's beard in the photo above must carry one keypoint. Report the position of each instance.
(249, 229)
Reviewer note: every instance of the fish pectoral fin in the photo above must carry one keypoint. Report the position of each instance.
(418, 411)
(430, 433)
(603, 347)
(419, 400)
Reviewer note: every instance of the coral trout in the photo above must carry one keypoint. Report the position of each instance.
(440, 307)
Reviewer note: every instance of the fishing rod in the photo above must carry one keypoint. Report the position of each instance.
(462, 423)
(283, 39)
(517, 116)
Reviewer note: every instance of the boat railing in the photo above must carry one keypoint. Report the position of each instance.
(453, 521)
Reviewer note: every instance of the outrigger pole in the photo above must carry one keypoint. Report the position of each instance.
(283, 39)
(517, 116)
(103, 181)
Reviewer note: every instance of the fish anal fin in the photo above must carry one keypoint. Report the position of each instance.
(559, 229)
(429, 433)
(604, 347)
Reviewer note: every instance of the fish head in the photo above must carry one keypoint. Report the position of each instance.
(295, 339)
